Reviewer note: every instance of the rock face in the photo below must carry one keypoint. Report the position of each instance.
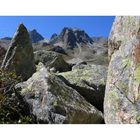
(122, 97)
(77, 44)
(35, 36)
(70, 37)
(51, 60)
(52, 101)
(19, 56)
(54, 37)
(89, 81)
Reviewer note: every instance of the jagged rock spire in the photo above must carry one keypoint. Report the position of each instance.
(19, 56)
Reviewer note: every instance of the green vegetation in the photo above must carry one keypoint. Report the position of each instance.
(12, 107)
(114, 99)
(126, 62)
(138, 118)
(7, 81)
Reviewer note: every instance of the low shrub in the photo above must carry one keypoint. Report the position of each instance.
(13, 108)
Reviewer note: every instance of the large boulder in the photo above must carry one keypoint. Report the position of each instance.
(122, 96)
(89, 81)
(19, 56)
(51, 60)
(52, 101)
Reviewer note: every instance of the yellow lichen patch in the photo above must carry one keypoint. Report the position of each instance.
(126, 62)
(114, 99)
(138, 118)
(55, 103)
(137, 74)
(77, 75)
(124, 87)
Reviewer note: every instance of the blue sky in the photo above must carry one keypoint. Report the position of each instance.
(47, 25)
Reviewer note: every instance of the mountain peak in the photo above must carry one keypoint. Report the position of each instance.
(34, 30)
(21, 27)
(69, 37)
(54, 36)
(71, 29)
(35, 36)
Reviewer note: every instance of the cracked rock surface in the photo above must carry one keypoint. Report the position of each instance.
(122, 95)
(52, 101)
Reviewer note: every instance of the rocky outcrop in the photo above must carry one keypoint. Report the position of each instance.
(57, 49)
(35, 36)
(77, 44)
(122, 97)
(19, 56)
(51, 60)
(52, 101)
(54, 38)
(70, 37)
(89, 81)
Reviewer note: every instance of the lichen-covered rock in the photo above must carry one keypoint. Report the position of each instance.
(52, 101)
(51, 59)
(19, 56)
(122, 97)
(89, 81)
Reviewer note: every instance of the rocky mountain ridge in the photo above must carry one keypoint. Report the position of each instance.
(70, 37)
(74, 43)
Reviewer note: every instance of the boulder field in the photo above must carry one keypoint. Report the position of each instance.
(53, 91)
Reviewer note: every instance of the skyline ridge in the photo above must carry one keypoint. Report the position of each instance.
(92, 25)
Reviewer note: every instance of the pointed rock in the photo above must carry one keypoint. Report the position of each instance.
(35, 36)
(69, 37)
(19, 56)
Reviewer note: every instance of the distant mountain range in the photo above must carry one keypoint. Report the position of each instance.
(69, 38)
(34, 35)
(73, 42)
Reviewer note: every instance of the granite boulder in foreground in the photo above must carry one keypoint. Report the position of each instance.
(52, 101)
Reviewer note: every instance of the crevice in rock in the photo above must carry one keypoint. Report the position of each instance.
(94, 94)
